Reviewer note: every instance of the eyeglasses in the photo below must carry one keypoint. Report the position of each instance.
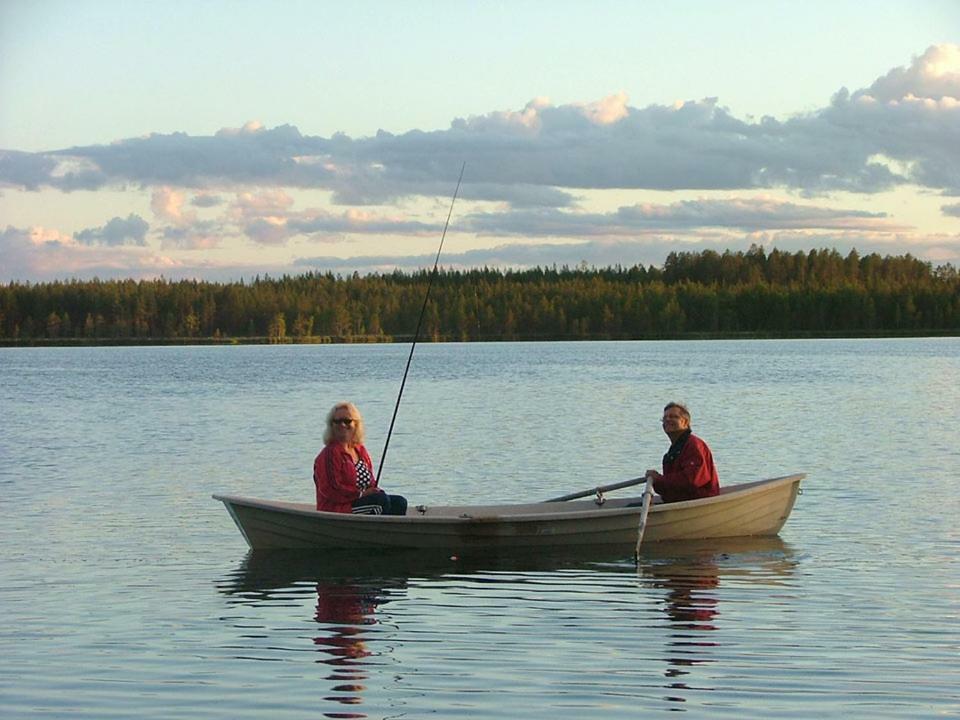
(347, 422)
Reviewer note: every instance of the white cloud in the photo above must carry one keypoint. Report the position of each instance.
(40, 236)
(935, 75)
(39, 253)
(608, 110)
(261, 203)
(524, 122)
(263, 215)
(535, 172)
(167, 204)
(251, 127)
(185, 230)
(267, 217)
(911, 115)
(201, 235)
(357, 221)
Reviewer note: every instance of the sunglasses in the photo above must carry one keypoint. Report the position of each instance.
(347, 422)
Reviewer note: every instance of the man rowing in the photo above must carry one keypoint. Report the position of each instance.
(688, 469)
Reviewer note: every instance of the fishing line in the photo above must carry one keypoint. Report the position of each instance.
(423, 311)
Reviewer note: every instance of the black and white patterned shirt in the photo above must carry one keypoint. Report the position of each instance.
(364, 477)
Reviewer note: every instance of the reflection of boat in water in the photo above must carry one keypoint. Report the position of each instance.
(765, 559)
(750, 509)
(351, 612)
(264, 573)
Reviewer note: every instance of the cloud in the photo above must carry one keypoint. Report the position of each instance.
(184, 229)
(935, 75)
(938, 248)
(268, 219)
(267, 230)
(951, 210)
(201, 235)
(608, 110)
(34, 171)
(903, 128)
(261, 203)
(119, 231)
(180, 160)
(27, 170)
(251, 127)
(263, 215)
(39, 254)
(206, 200)
(25, 251)
(648, 250)
(912, 116)
(167, 205)
(531, 173)
(357, 221)
(746, 214)
(518, 195)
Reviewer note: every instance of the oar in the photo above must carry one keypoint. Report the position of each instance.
(593, 491)
(647, 500)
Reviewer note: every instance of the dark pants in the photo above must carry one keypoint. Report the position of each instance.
(379, 503)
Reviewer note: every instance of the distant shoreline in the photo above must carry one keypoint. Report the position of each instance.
(519, 337)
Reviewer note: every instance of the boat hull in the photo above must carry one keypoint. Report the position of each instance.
(751, 509)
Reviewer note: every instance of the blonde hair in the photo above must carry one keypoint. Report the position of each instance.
(358, 432)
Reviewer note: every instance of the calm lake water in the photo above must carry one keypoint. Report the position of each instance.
(126, 591)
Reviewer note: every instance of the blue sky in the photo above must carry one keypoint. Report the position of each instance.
(226, 139)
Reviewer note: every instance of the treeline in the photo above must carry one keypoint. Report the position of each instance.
(753, 292)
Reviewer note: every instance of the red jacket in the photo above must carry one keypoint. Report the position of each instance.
(335, 476)
(690, 475)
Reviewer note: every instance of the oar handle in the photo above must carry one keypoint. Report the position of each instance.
(644, 511)
(594, 491)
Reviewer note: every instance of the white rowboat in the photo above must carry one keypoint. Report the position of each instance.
(750, 509)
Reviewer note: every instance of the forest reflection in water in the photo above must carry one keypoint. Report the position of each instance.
(365, 609)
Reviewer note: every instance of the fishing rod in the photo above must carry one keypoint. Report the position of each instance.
(423, 311)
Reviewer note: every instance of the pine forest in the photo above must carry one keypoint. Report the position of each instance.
(694, 294)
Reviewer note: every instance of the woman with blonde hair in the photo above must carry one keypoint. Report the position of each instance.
(343, 471)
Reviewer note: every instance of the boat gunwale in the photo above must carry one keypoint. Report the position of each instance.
(304, 510)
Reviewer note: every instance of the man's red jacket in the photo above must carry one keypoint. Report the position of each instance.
(690, 475)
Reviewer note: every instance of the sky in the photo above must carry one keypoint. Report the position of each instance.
(222, 140)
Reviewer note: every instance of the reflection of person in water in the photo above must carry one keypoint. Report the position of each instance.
(350, 597)
(345, 608)
(691, 605)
